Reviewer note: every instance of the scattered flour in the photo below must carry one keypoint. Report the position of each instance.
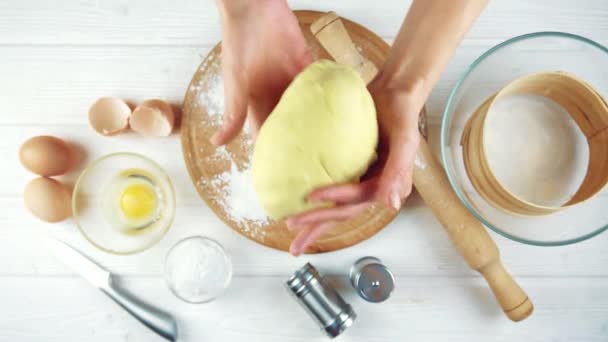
(213, 98)
(237, 197)
(419, 163)
(235, 193)
(221, 153)
(234, 189)
(240, 198)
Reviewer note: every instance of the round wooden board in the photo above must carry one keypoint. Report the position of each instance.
(210, 167)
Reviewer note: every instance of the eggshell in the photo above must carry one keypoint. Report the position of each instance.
(153, 118)
(48, 199)
(109, 115)
(46, 156)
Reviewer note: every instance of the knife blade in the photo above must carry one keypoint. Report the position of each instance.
(154, 318)
(81, 264)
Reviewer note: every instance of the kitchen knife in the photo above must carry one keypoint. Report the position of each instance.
(159, 321)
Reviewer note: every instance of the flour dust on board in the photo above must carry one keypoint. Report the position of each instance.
(235, 194)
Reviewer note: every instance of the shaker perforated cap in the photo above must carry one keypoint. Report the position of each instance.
(373, 281)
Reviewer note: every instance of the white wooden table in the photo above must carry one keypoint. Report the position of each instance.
(57, 57)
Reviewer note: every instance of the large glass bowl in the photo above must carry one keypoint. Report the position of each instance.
(93, 189)
(516, 57)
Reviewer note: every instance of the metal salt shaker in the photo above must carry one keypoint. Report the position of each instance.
(321, 300)
(373, 281)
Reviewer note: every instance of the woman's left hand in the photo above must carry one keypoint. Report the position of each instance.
(397, 110)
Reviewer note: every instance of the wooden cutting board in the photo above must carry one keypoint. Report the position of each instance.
(220, 174)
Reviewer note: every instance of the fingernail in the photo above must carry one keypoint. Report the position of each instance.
(395, 200)
(215, 139)
(295, 251)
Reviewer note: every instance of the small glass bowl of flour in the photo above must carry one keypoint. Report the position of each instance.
(197, 269)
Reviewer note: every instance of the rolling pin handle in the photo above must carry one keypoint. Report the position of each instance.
(513, 300)
(467, 234)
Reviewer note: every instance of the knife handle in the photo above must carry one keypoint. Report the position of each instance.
(158, 320)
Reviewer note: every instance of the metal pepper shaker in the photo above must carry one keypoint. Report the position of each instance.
(373, 281)
(321, 300)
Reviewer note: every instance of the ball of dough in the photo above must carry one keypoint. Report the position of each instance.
(323, 131)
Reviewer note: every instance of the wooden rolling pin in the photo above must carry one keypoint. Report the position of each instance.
(467, 234)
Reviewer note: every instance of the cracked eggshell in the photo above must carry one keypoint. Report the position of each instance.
(48, 199)
(153, 118)
(109, 115)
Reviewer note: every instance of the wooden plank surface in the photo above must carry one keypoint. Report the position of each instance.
(260, 309)
(57, 57)
(188, 22)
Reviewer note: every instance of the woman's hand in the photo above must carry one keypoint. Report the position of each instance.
(426, 40)
(263, 49)
(398, 109)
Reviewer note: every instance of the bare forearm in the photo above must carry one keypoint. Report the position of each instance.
(429, 35)
(235, 8)
(231, 7)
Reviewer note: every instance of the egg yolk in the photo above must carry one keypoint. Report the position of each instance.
(137, 201)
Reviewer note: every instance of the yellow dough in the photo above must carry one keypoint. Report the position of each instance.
(323, 131)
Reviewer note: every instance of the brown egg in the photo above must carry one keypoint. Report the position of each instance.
(153, 118)
(109, 115)
(46, 156)
(48, 199)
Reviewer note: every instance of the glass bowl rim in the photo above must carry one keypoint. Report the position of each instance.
(208, 239)
(444, 133)
(88, 169)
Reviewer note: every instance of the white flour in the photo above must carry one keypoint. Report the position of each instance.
(198, 269)
(235, 193)
(213, 98)
(237, 196)
(419, 163)
(536, 150)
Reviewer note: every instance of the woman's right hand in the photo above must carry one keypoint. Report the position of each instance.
(398, 108)
(263, 49)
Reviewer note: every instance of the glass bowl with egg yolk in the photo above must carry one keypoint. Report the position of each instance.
(123, 203)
